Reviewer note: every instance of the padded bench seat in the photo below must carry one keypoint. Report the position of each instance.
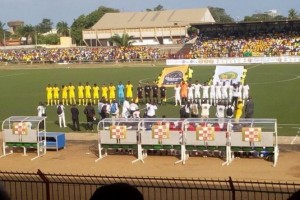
(119, 146)
(22, 144)
(157, 147)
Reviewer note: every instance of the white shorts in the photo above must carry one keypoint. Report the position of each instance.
(205, 96)
(197, 95)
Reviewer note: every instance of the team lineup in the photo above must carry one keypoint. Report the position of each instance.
(190, 96)
(66, 95)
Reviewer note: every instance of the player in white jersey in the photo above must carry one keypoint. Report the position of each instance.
(205, 89)
(190, 93)
(212, 94)
(246, 89)
(240, 86)
(230, 92)
(218, 92)
(177, 94)
(224, 89)
(197, 88)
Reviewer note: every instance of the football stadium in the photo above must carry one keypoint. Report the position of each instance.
(177, 116)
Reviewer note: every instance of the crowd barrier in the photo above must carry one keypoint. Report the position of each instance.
(85, 61)
(24, 132)
(234, 60)
(224, 138)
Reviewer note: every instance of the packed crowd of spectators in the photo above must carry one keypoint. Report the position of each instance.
(241, 44)
(60, 55)
(208, 45)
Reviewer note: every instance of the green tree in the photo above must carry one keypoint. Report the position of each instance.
(279, 17)
(62, 28)
(45, 26)
(219, 15)
(85, 22)
(76, 29)
(52, 39)
(157, 8)
(94, 16)
(124, 40)
(192, 31)
(2, 26)
(258, 17)
(292, 14)
(27, 31)
(2, 31)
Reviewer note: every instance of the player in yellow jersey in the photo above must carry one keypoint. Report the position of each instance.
(64, 95)
(112, 92)
(49, 91)
(71, 90)
(80, 89)
(56, 94)
(87, 90)
(95, 93)
(104, 91)
(129, 91)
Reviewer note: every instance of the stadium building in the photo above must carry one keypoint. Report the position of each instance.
(147, 28)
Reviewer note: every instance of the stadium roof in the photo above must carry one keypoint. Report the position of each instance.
(165, 18)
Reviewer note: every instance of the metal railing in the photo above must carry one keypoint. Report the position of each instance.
(25, 186)
(99, 61)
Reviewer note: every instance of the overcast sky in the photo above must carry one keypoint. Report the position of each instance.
(33, 11)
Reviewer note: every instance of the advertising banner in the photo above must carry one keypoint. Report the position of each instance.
(172, 75)
(228, 74)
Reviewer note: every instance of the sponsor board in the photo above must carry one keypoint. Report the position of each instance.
(228, 74)
(170, 76)
(242, 60)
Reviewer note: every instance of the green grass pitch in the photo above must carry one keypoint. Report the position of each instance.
(274, 87)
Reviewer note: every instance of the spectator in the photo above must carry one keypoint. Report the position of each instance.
(103, 111)
(75, 117)
(61, 115)
(114, 109)
(229, 111)
(220, 114)
(117, 191)
(249, 108)
(41, 110)
(41, 113)
(134, 110)
(194, 109)
(125, 108)
(151, 109)
(205, 106)
(89, 111)
(239, 110)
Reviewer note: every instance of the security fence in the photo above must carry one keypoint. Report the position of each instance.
(25, 186)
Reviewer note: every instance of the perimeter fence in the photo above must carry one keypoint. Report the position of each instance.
(48, 186)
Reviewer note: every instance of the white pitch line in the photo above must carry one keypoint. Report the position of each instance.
(254, 66)
(8, 75)
(294, 139)
(289, 125)
(280, 81)
(142, 80)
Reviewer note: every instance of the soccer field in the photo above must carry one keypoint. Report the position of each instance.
(274, 89)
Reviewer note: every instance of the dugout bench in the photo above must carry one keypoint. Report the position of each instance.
(222, 138)
(24, 132)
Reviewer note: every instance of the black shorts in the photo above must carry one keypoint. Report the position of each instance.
(140, 96)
